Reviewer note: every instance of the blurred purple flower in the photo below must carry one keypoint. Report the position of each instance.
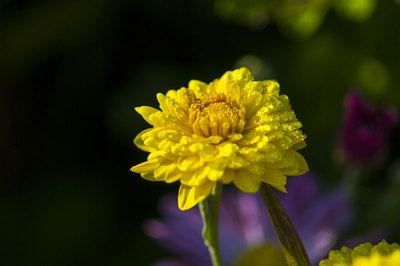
(244, 223)
(365, 131)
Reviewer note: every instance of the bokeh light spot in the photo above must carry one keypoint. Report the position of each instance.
(357, 10)
(260, 68)
(373, 76)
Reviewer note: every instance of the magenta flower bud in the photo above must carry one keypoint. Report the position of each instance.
(365, 131)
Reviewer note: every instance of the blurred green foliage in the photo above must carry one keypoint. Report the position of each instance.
(71, 73)
(296, 18)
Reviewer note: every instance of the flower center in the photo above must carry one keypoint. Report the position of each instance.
(215, 115)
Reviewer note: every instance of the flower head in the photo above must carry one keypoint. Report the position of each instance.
(365, 131)
(382, 254)
(246, 234)
(234, 129)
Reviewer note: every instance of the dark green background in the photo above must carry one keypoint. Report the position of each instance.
(71, 73)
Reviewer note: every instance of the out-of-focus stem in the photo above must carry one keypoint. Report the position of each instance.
(290, 241)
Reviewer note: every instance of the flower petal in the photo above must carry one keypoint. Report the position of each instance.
(275, 178)
(299, 165)
(149, 176)
(190, 196)
(246, 181)
(139, 141)
(189, 163)
(228, 176)
(146, 112)
(173, 174)
(146, 166)
(271, 87)
(199, 88)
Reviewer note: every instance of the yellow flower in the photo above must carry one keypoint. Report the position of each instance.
(382, 254)
(379, 260)
(234, 129)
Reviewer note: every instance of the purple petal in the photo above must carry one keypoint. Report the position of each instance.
(179, 232)
(302, 191)
(322, 223)
(365, 131)
(244, 223)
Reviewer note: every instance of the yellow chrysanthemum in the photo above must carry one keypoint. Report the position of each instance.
(382, 254)
(234, 129)
(379, 260)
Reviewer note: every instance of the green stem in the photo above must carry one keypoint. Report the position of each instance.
(209, 212)
(290, 241)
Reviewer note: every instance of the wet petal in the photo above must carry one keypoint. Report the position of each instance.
(246, 181)
(190, 196)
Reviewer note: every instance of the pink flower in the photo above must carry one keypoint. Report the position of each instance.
(365, 131)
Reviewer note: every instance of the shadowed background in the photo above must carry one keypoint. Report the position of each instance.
(71, 73)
